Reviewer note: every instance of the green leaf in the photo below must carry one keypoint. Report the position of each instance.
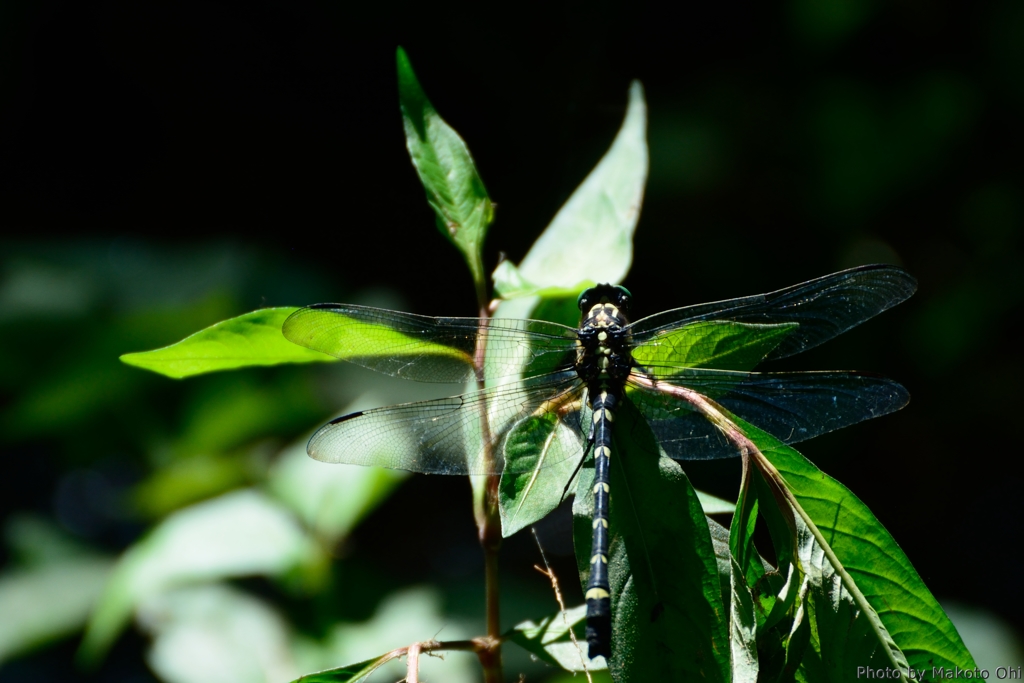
(551, 640)
(742, 629)
(352, 337)
(529, 495)
(348, 674)
(843, 635)
(743, 563)
(546, 453)
(511, 284)
(874, 565)
(48, 602)
(403, 617)
(718, 344)
(590, 239)
(668, 617)
(211, 633)
(723, 558)
(247, 340)
(331, 500)
(454, 189)
(713, 505)
(238, 534)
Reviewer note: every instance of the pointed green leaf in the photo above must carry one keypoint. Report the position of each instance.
(510, 284)
(352, 335)
(845, 638)
(353, 673)
(713, 505)
(874, 565)
(742, 629)
(542, 448)
(591, 238)
(723, 558)
(668, 618)
(247, 340)
(743, 617)
(454, 189)
(718, 344)
(546, 453)
(844, 635)
(551, 641)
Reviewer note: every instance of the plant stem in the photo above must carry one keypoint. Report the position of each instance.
(488, 518)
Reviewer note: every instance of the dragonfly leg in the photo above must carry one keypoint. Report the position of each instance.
(579, 466)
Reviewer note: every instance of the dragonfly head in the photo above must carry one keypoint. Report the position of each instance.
(616, 295)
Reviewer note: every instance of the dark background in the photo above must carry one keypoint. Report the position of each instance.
(255, 150)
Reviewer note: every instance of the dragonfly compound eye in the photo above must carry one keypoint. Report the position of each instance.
(583, 301)
(624, 298)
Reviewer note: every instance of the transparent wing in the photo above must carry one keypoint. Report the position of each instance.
(792, 406)
(430, 349)
(822, 308)
(444, 436)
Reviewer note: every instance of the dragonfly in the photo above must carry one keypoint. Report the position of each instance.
(575, 380)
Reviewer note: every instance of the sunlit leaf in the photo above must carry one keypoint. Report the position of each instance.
(713, 505)
(239, 534)
(874, 565)
(550, 640)
(454, 189)
(590, 239)
(252, 339)
(353, 673)
(719, 344)
(530, 494)
(538, 486)
(352, 333)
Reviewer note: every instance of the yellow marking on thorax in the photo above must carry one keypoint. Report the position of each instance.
(598, 558)
(597, 594)
(601, 487)
(601, 522)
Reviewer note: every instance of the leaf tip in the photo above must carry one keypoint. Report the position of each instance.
(402, 60)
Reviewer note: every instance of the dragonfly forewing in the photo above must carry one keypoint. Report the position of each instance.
(427, 349)
(823, 308)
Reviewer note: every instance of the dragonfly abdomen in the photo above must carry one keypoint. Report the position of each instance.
(603, 362)
(599, 608)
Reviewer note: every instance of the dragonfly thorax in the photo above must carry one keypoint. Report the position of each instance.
(603, 358)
